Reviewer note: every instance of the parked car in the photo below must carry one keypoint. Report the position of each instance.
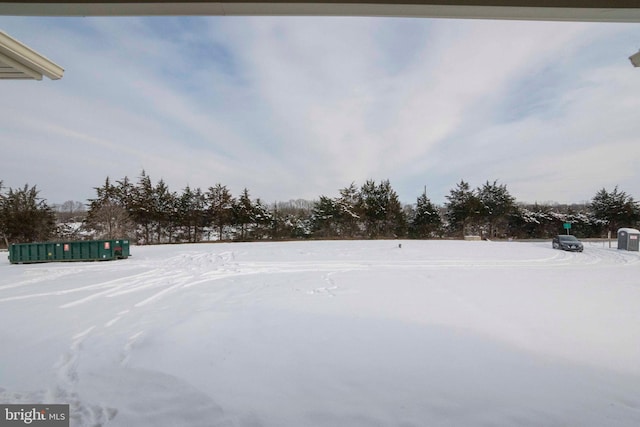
(567, 242)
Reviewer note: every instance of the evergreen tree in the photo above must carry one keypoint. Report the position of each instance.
(583, 223)
(262, 220)
(199, 214)
(183, 212)
(125, 193)
(348, 216)
(381, 210)
(426, 221)
(495, 206)
(191, 213)
(220, 208)
(164, 203)
(106, 192)
(243, 213)
(617, 209)
(2, 226)
(462, 209)
(395, 222)
(529, 221)
(325, 218)
(25, 217)
(371, 208)
(143, 206)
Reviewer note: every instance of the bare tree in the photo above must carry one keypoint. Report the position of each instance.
(110, 221)
(70, 211)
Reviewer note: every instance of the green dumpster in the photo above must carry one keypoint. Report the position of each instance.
(86, 250)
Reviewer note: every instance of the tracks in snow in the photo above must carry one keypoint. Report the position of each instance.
(82, 413)
(161, 278)
(116, 290)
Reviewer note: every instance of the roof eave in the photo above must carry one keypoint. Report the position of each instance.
(27, 60)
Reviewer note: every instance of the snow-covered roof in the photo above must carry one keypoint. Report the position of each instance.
(628, 230)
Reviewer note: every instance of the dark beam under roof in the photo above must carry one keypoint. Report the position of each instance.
(562, 10)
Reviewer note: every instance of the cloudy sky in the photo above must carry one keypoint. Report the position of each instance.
(298, 107)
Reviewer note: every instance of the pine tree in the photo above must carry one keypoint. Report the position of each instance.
(2, 221)
(381, 211)
(462, 209)
(325, 217)
(395, 222)
(616, 208)
(348, 216)
(190, 213)
(125, 193)
(243, 213)
(426, 221)
(262, 220)
(371, 208)
(164, 202)
(495, 206)
(199, 214)
(184, 212)
(143, 207)
(220, 208)
(25, 217)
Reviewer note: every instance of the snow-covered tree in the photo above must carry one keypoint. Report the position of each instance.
(380, 210)
(347, 212)
(262, 221)
(220, 208)
(292, 219)
(426, 221)
(616, 208)
(495, 206)
(190, 210)
(243, 213)
(69, 218)
(463, 207)
(164, 207)
(2, 232)
(325, 217)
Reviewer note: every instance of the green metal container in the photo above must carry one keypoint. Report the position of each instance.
(88, 250)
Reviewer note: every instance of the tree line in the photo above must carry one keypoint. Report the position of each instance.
(148, 213)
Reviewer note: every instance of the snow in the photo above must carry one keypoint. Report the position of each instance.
(629, 230)
(338, 333)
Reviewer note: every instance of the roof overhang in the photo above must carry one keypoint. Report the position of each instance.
(553, 10)
(18, 61)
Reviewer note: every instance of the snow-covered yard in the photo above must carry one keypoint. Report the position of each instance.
(433, 333)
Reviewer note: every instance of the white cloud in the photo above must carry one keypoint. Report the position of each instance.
(300, 107)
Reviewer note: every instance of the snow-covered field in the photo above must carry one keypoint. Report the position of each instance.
(435, 333)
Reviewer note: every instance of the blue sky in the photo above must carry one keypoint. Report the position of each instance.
(298, 107)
